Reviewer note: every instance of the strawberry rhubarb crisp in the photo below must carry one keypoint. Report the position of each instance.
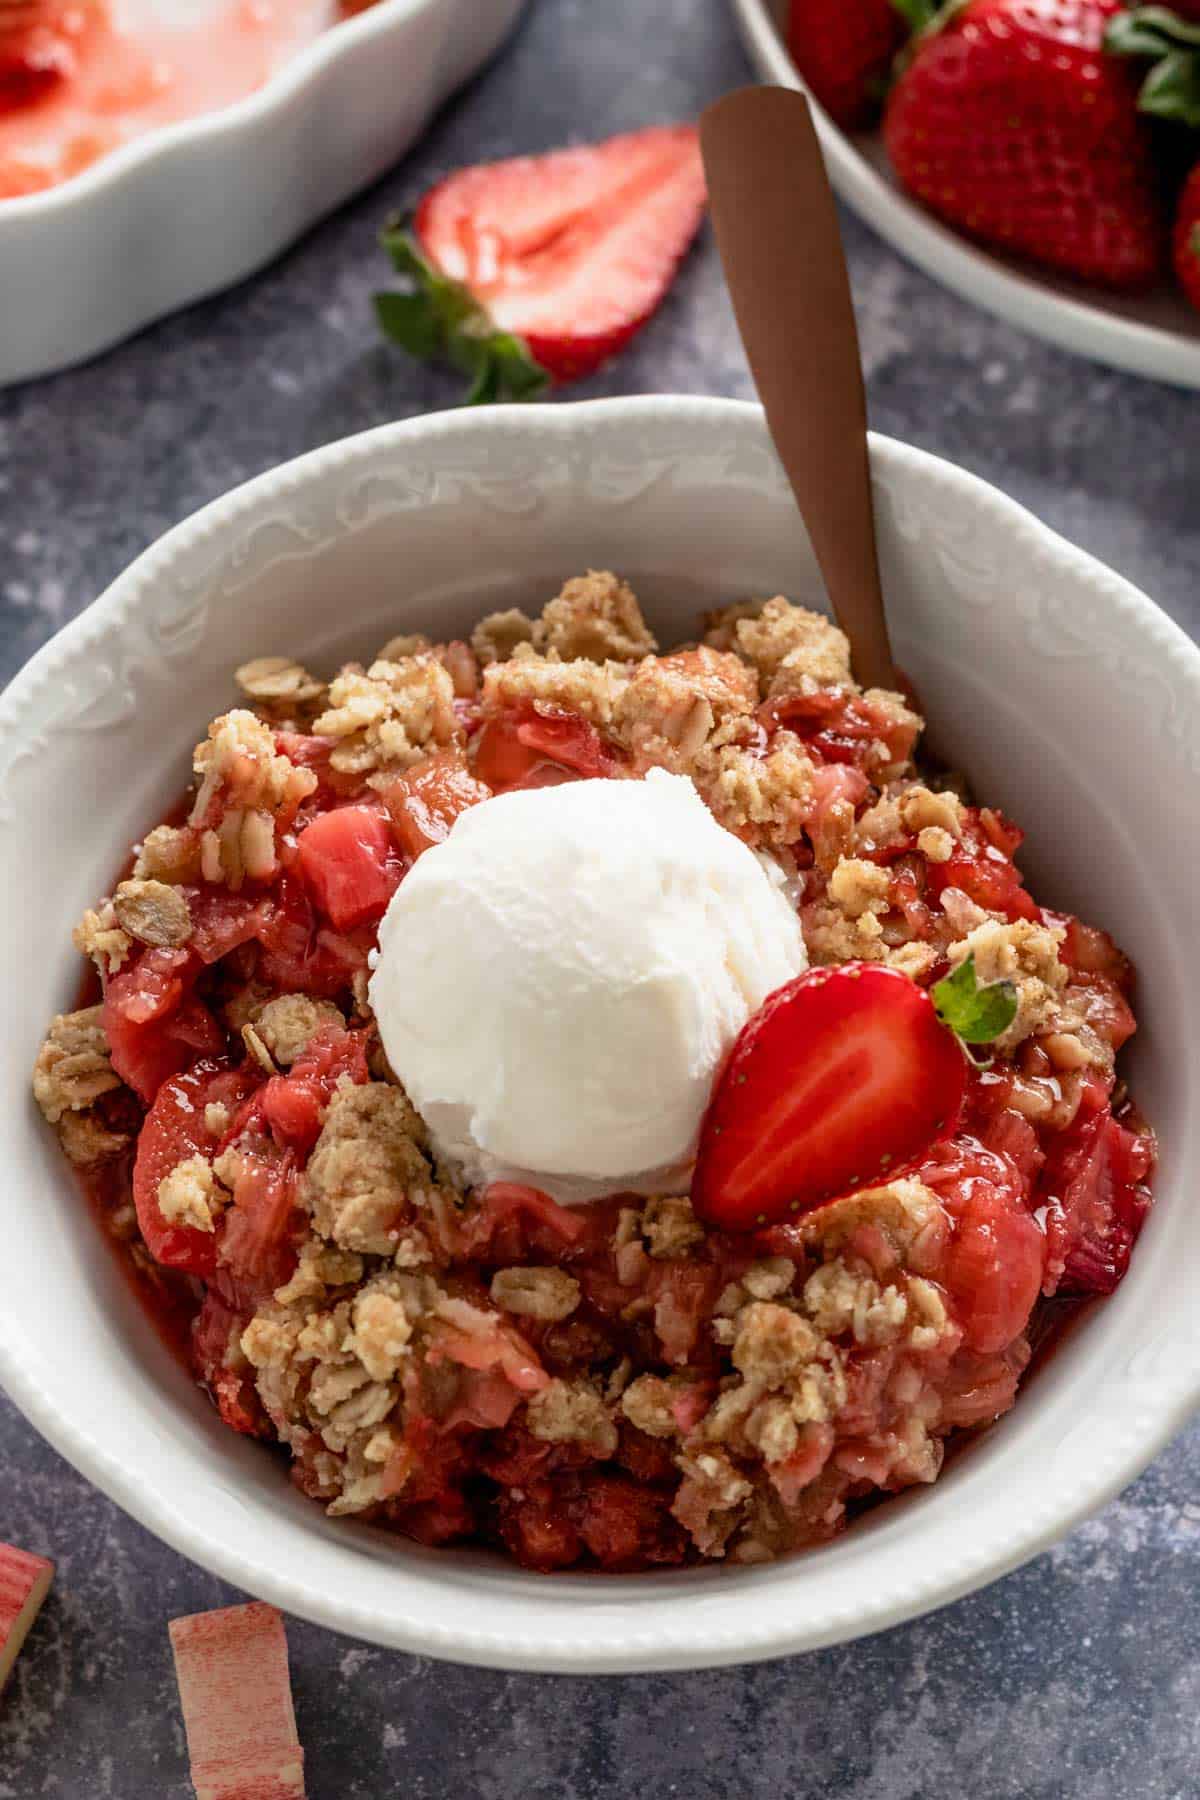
(617, 1106)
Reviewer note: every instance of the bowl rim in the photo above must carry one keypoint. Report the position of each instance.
(299, 71)
(459, 1637)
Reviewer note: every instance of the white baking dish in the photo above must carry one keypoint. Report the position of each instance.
(196, 206)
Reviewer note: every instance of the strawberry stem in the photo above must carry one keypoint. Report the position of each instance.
(436, 318)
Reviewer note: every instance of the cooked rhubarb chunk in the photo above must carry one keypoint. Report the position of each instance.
(24, 1583)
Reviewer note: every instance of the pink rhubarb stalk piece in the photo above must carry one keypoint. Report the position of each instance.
(24, 1583)
(232, 1670)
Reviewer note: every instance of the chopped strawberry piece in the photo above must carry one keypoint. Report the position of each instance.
(1096, 1191)
(684, 1294)
(216, 1330)
(150, 985)
(839, 725)
(981, 866)
(293, 1105)
(514, 1221)
(530, 747)
(176, 1129)
(994, 1263)
(256, 1243)
(333, 786)
(155, 1027)
(569, 254)
(424, 802)
(299, 956)
(843, 1078)
(1008, 1134)
(222, 921)
(351, 864)
(624, 1524)
(537, 1533)
(1090, 951)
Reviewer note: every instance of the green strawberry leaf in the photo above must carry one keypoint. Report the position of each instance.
(436, 318)
(977, 1014)
(407, 320)
(1171, 89)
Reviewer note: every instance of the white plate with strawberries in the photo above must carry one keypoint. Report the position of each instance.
(1130, 311)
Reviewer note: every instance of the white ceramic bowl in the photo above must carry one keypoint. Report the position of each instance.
(1156, 334)
(195, 206)
(1072, 701)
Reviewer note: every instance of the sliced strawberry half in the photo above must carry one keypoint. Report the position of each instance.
(844, 1077)
(541, 267)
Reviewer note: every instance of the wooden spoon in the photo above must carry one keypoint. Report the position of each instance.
(777, 231)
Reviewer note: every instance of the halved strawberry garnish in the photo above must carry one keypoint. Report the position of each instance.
(844, 1077)
(541, 267)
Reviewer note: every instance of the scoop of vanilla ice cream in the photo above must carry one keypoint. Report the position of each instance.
(558, 982)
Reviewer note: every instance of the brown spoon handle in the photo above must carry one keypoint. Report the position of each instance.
(777, 231)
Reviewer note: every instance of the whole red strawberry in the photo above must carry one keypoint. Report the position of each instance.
(1013, 125)
(844, 50)
(1186, 246)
